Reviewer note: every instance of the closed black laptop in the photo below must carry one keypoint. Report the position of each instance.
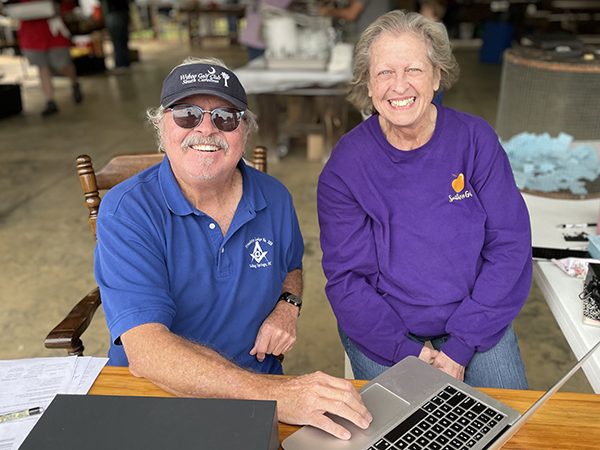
(96, 422)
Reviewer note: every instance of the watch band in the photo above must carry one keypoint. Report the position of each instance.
(292, 299)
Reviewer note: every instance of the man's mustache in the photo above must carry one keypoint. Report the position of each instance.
(196, 139)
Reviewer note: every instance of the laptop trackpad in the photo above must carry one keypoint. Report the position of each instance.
(383, 405)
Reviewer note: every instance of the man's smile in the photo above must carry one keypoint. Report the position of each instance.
(205, 148)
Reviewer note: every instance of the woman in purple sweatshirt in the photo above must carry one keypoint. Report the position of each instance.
(425, 235)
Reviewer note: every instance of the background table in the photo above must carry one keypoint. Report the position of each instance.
(560, 290)
(326, 91)
(567, 421)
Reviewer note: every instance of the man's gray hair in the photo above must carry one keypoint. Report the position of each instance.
(398, 22)
(156, 116)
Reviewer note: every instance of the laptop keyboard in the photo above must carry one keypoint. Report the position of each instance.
(450, 420)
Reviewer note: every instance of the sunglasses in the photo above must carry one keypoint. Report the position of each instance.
(190, 116)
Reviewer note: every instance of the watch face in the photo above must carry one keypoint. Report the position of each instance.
(291, 298)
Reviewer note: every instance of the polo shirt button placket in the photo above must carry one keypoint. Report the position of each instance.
(212, 226)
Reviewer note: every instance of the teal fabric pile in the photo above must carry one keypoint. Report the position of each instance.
(546, 164)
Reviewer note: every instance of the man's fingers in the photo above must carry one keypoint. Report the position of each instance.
(328, 425)
(284, 345)
(261, 346)
(353, 411)
(287, 348)
(254, 350)
(340, 398)
(305, 399)
(271, 340)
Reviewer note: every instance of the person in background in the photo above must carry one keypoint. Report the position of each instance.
(232, 19)
(250, 35)
(425, 236)
(360, 12)
(199, 261)
(45, 43)
(116, 13)
(433, 9)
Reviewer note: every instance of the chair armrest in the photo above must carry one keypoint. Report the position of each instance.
(67, 334)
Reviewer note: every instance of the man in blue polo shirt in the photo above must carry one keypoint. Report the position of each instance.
(199, 261)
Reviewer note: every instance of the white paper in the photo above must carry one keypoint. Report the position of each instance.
(90, 374)
(81, 364)
(27, 383)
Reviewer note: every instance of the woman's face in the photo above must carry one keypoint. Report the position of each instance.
(402, 79)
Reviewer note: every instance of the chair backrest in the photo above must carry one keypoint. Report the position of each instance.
(67, 334)
(122, 167)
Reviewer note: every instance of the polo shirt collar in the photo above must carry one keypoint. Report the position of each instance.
(252, 197)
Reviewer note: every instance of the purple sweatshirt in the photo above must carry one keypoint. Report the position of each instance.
(433, 241)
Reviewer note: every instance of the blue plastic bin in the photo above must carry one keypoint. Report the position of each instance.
(497, 37)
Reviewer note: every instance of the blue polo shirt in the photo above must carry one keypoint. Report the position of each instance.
(160, 260)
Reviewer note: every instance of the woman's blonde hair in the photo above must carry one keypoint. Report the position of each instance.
(398, 22)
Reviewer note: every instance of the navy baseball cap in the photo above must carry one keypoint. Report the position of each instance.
(209, 79)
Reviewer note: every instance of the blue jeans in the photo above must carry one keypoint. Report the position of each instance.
(499, 367)
(117, 23)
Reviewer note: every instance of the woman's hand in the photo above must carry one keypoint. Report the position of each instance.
(428, 354)
(446, 364)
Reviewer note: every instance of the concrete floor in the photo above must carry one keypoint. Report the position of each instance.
(46, 245)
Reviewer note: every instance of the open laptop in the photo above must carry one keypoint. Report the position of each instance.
(416, 406)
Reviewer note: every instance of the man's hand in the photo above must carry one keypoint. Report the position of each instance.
(444, 363)
(192, 370)
(427, 354)
(277, 334)
(303, 400)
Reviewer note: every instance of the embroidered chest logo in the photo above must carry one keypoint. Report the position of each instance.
(259, 252)
(458, 184)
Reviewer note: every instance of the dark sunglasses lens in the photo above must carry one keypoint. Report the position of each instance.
(226, 119)
(187, 116)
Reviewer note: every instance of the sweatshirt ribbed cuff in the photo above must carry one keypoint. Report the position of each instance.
(458, 351)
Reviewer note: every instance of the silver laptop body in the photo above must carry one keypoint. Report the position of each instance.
(417, 406)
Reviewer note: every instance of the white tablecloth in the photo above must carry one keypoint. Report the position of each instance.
(257, 79)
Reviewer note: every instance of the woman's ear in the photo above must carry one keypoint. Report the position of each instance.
(437, 77)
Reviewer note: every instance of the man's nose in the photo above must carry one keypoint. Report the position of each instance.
(206, 126)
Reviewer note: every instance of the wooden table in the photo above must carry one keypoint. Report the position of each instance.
(567, 421)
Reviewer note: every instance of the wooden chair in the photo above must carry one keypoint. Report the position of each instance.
(67, 334)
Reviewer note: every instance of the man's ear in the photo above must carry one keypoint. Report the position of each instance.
(161, 135)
